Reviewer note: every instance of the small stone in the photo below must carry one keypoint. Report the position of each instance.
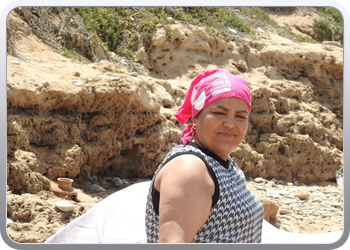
(125, 181)
(114, 78)
(336, 192)
(78, 82)
(274, 180)
(123, 62)
(96, 188)
(284, 211)
(271, 184)
(169, 19)
(77, 74)
(286, 228)
(8, 222)
(232, 31)
(273, 194)
(290, 184)
(315, 188)
(117, 181)
(318, 199)
(260, 187)
(302, 194)
(335, 204)
(134, 74)
(295, 229)
(288, 202)
(296, 209)
(283, 192)
(260, 30)
(93, 179)
(259, 180)
(15, 62)
(102, 181)
(64, 206)
(277, 224)
(113, 56)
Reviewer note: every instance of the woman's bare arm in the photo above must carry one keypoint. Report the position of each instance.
(186, 189)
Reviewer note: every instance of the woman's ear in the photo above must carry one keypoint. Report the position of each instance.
(194, 119)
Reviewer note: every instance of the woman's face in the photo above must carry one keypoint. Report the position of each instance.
(222, 125)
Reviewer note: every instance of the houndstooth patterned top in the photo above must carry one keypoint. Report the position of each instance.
(236, 215)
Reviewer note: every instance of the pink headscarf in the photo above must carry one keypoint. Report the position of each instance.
(207, 88)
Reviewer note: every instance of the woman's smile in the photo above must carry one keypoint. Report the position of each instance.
(226, 134)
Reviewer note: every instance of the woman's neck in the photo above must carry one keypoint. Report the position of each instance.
(195, 140)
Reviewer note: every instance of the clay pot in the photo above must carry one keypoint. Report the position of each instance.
(65, 189)
(65, 184)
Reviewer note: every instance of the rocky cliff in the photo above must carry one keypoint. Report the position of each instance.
(114, 117)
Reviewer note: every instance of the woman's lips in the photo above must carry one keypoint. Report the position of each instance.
(226, 134)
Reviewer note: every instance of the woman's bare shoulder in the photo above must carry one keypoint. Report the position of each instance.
(185, 171)
(186, 164)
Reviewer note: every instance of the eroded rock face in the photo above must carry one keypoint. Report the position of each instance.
(126, 127)
(97, 129)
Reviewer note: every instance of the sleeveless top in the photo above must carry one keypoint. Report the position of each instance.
(236, 214)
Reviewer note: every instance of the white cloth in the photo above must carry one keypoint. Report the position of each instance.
(120, 218)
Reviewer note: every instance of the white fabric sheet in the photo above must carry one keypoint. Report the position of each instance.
(120, 218)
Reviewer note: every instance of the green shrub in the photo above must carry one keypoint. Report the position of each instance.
(323, 30)
(71, 54)
(107, 23)
(329, 28)
(333, 15)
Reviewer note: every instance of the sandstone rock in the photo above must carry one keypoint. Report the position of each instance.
(22, 179)
(302, 194)
(270, 209)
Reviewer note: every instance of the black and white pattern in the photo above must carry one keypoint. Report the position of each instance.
(236, 217)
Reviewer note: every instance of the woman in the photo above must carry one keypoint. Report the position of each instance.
(198, 194)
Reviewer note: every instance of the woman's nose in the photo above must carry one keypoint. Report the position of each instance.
(230, 122)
